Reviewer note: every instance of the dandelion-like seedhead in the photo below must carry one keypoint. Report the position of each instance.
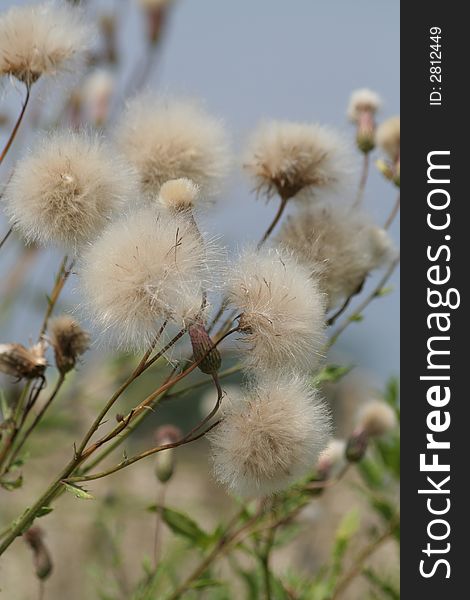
(338, 244)
(41, 39)
(363, 100)
(170, 139)
(282, 310)
(269, 438)
(288, 158)
(376, 418)
(144, 269)
(388, 137)
(66, 189)
(22, 362)
(178, 194)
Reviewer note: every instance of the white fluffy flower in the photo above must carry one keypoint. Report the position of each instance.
(363, 100)
(178, 194)
(146, 268)
(388, 137)
(287, 158)
(338, 244)
(269, 438)
(282, 310)
(66, 189)
(169, 139)
(376, 418)
(41, 39)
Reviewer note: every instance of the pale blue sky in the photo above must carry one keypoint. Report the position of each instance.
(289, 59)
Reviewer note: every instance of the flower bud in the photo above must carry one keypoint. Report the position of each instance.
(356, 446)
(165, 460)
(22, 362)
(204, 349)
(41, 557)
(330, 458)
(69, 342)
(376, 418)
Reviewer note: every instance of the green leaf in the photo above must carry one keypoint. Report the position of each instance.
(205, 583)
(43, 511)
(356, 318)
(392, 392)
(77, 491)
(332, 373)
(12, 484)
(183, 525)
(384, 291)
(371, 473)
(385, 586)
(348, 525)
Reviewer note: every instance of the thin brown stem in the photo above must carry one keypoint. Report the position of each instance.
(363, 305)
(60, 281)
(363, 181)
(37, 419)
(358, 565)
(344, 306)
(160, 505)
(16, 126)
(393, 214)
(275, 221)
(5, 237)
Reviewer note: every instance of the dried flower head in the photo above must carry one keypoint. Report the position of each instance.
(171, 139)
(21, 362)
(339, 245)
(179, 194)
(41, 39)
(388, 137)
(145, 269)
(287, 158)
(363, 100)
(282, 310)
(67, 188)
(68, 340)
(376, 418)
(270, 438)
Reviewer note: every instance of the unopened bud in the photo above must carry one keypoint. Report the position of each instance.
(376, 418)
(204, 349)
(165, 460)
(365, 137)
(22, 362)
(69, 342)
(357, 446)
(330, 458)
(41, 557)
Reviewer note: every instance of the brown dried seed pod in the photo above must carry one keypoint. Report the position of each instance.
(21, 362)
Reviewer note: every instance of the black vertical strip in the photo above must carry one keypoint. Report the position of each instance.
(434, 559)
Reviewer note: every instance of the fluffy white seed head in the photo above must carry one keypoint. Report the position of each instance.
(339, 245)
(179, 194)
(282, 310)
(41, 39)
(270, 437)
(376, 418)
(66, 189)
(170, 139)
(363, 100)
(144, 269)
(288, 158)
(388, 137)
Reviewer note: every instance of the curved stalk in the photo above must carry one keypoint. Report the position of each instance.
(16, 126)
